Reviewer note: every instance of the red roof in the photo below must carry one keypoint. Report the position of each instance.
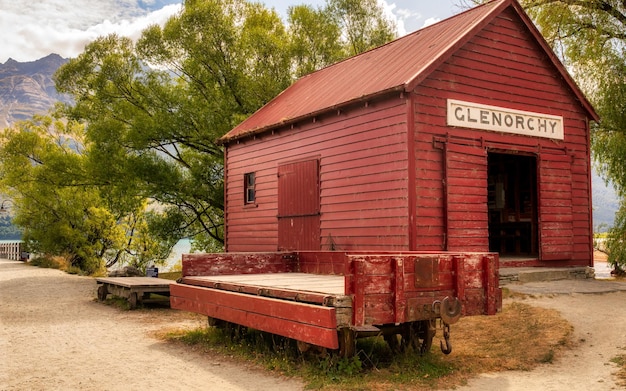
(397, 66)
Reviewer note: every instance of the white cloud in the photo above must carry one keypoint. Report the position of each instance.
(430, 21)
(34, 29)
(407, 20)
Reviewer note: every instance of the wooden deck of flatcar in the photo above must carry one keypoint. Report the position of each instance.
(302, 287)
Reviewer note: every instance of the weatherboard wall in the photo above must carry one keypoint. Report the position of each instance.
(394, 175)
(362, 155)
(502, 66)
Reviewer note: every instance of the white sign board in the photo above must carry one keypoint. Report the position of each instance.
(500, 119)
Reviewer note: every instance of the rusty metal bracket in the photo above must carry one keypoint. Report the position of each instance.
(450, 310)
(447, 348)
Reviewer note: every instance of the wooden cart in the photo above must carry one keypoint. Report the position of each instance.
(134, 289)
(329, 299)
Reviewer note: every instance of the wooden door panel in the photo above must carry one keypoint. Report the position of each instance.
(299, 206)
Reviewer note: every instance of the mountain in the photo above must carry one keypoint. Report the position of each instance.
(27, 88)
(605, 203)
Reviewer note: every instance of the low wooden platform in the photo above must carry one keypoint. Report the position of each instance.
(134, 289)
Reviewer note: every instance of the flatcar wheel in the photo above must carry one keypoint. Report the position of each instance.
(217, 323)
(133, 300)
(347, 343)
(425, 332)
(394, 344)
(303, 347)
(102, 292)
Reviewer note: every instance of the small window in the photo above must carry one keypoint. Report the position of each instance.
(248, 187)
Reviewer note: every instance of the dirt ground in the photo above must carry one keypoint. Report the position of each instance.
(55, 336)
(597, 310)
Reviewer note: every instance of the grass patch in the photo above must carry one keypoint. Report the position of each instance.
(49, 262)
(117, 302)
(620, 361)
(519, 338)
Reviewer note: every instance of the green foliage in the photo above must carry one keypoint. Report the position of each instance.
(132, 165)
(58, 213)
(590, 38)
(59, 206)
(315, 38)
(615, 242)
(45, 262)
(363, 24)
(322, 369)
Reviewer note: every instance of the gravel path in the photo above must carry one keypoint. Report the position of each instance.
(597, 310)
(55, 336)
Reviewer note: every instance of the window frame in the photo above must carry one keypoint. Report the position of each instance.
(249, 188)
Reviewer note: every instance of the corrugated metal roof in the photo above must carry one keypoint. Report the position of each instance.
(398, 65)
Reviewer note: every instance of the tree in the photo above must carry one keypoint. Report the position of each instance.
(132, 165)
(590, 37)
(155, 110)
(63, 210)
(315, 38)
(43, 172)
(363, 24)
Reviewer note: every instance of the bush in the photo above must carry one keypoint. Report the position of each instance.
(48, 262)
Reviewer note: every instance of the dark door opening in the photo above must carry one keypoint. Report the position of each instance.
(512, 201)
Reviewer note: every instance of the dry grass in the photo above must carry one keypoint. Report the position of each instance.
(521, 337)
(620, 361)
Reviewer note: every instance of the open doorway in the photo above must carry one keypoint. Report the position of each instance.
(512, 201)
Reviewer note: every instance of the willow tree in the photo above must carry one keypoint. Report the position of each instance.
(43, 170)
(155, 109)
(363, 24)
(590, 37)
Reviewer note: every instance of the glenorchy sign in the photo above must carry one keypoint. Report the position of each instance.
(500, 119)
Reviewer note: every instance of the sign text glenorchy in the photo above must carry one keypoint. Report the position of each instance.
(500, 119)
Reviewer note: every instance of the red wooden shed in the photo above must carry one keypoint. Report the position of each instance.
(467, 135)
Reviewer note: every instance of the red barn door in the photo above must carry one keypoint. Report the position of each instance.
(299, 206)
(557, 226)
(466, 198)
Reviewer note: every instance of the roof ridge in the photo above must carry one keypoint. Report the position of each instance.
(497, 5)
(399, 65)
(404, 37)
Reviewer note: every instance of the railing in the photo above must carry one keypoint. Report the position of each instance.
(12, 250)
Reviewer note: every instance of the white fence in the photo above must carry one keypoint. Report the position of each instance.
(12, 250)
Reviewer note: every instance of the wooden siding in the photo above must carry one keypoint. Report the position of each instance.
(503, 66)
(363, 181)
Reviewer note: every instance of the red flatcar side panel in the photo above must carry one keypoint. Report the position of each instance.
(326, 262)
(305, 322)
(214, 264)
(397, 288)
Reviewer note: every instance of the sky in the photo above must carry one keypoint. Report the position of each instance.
(32, 29)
